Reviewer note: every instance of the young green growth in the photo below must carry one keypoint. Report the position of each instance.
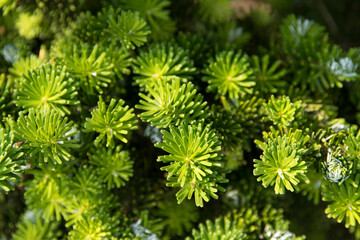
(47, 87)
(223, 228)
(281, 111)
(114, 166)
(90, 228)
(194, 161)
(85, 183)
(33, 226)
(47, 136)
(90, 65)
(22, 65)
(345, 201)
(280, 165)
(352, 143)
(162, 61)
(171, 103)
(111, 121)
(10, 161)
(229, 74)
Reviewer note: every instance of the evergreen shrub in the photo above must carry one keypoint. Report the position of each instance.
(193, 119)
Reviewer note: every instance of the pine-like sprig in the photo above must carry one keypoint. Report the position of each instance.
(114, 120)
(223, 228)
(229, 74)
(6, 85)
(162, 61)
(194, 161)
(345, 201)
(246, 223)
(226, 124)
(10, 161)
(179, 220)
(47, 87)
(156, 14)
(269, 78)
(128, 28)
(281, 111)
(171, 103)
(85, 183)
(23, 64)
(90, 228)
(352, 143)
(90, 65)
(47, 136)
(54, 201)
(92, 29)
(32, 226)
(316, 63)
(113, 166)
(280, 165)
(338, 166)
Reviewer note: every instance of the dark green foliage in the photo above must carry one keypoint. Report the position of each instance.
(128, 28)
(92, 29)
(214, 11)
(249, 115)
(268, 78)
(315, 62)
(227, 126)
(156, 14)
(197, 45)
(109, 25)
(180, 219)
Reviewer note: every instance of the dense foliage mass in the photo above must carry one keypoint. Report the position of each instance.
(159, 119)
